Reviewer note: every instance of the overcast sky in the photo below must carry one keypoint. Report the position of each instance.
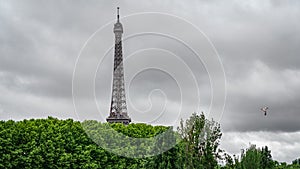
(256, 44)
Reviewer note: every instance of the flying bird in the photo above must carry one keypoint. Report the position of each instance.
(264, 109)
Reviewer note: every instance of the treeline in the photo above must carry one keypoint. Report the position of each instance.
(54, 143)
(257, 158)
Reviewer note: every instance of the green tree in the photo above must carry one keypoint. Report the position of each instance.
(266, 159)
(53, 143)
(229, 161)
(296, 161)
(252, 158)
(257, 158)
(201, 139)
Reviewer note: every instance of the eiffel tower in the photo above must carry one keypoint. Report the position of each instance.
(118, 107)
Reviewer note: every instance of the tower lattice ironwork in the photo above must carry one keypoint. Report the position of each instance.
(118, 107)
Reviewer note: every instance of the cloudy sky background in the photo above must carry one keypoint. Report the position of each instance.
(257, 41)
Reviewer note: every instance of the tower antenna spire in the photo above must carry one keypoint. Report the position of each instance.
(118, 15)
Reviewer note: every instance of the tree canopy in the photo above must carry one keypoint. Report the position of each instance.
(54, 143)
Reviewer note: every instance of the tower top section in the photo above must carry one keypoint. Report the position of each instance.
(118, 28)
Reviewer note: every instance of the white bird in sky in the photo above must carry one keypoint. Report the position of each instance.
(264, 109)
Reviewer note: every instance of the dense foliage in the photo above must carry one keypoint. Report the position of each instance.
(54, 143)
(200, 143)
